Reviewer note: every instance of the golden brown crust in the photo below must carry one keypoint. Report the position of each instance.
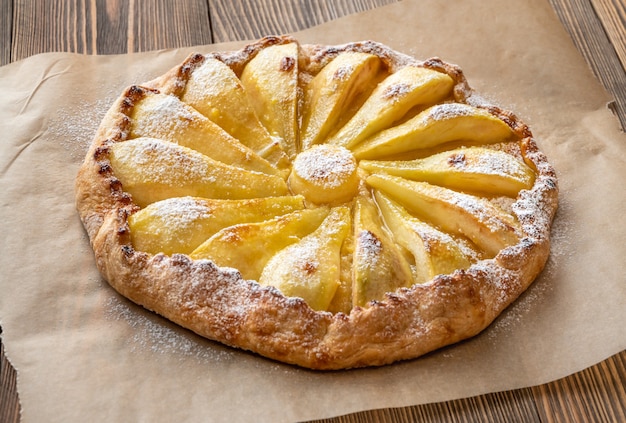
(218, 304)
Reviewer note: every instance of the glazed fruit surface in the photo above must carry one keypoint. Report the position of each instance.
(336, 184)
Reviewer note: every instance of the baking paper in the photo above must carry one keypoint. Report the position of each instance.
(83, 353)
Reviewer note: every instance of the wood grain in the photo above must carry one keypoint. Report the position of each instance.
(613, 17)
(187, 24)
(595, 394)
(6, 15)
(9, 403)
(28, 27)
(600, 39)
(234, 20)
(101, 27)
(46, 26)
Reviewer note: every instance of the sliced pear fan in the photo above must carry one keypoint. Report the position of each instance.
(271, 81)
(248, 246)
(398, 93)
(332, 91)
(487, 226)
(288, 177)
(226, 103)
(435, 126)
(474, 169)
(151, 170)
(181, 224)
(310, 268)
(166, 117)
(378, 265)
(435, 252)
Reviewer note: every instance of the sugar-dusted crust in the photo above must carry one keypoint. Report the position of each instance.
(218, 304)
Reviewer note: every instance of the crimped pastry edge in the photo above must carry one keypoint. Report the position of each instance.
(218, 304)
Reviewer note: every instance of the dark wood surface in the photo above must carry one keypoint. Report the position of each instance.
(597, 28)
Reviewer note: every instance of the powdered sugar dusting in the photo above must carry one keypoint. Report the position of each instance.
(562, 237)
(325, 167)
(487, 162)
(490, 165)
(306, 262)
(370, 249)
(396, 91)
(162, 115)
(517, 312)
(479, 209)
(343, 72)
(562, 234)
(504, 280)
(151, 333)
(181, 212)
(450, 110)
(503, 203)
(162, 158)
(75, 126)
(535, 222)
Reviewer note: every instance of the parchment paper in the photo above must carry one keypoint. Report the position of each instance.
(83, 353)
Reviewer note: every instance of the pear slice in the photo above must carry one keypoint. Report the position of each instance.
(435, 126)
(487, 226)
(310, 269)
(378, 265)
(166, 117)
(325, 174)
(391, 100)
(247, 247)
(435, 252)
(342, 301)
(215, 91)
(332, 90)
(271, 81)
(151, 170)
(474, 169)
(181, 224)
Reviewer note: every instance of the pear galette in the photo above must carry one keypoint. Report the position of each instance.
(326, 206)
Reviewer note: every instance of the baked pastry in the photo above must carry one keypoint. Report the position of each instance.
(325, 206)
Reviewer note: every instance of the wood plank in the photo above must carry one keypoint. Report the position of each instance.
(9, 402)
(187, 24)
(588, 33)
(111, 26)
(6, 26)
(44, 26)
(598, 391)
(509, 406)
(101, 27)
(612, 14)
(234, 20)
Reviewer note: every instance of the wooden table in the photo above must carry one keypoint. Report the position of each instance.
(597, 27)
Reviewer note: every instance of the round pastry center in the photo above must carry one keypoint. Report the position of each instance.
(325, 174)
